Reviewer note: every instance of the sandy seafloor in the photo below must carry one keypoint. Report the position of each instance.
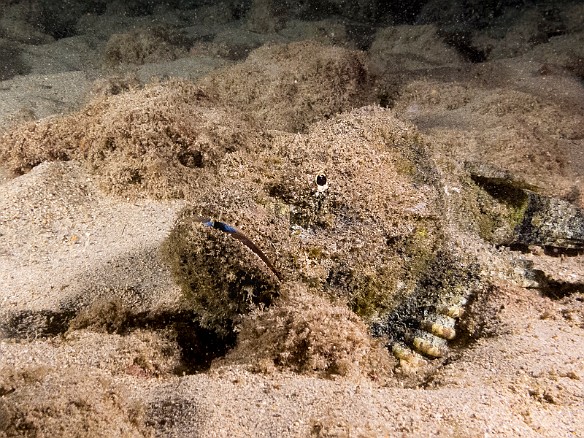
(503, 87)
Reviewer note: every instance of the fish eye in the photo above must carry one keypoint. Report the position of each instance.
(321, 183)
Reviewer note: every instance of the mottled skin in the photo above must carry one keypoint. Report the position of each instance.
(379, 235)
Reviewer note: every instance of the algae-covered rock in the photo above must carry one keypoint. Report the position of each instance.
(289, 86)
(143, 46)
(407, 47)
(161, 141)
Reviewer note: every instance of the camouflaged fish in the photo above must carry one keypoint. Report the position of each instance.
(357, 210)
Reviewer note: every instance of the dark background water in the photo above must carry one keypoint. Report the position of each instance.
(27, 24)
(58, 18)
